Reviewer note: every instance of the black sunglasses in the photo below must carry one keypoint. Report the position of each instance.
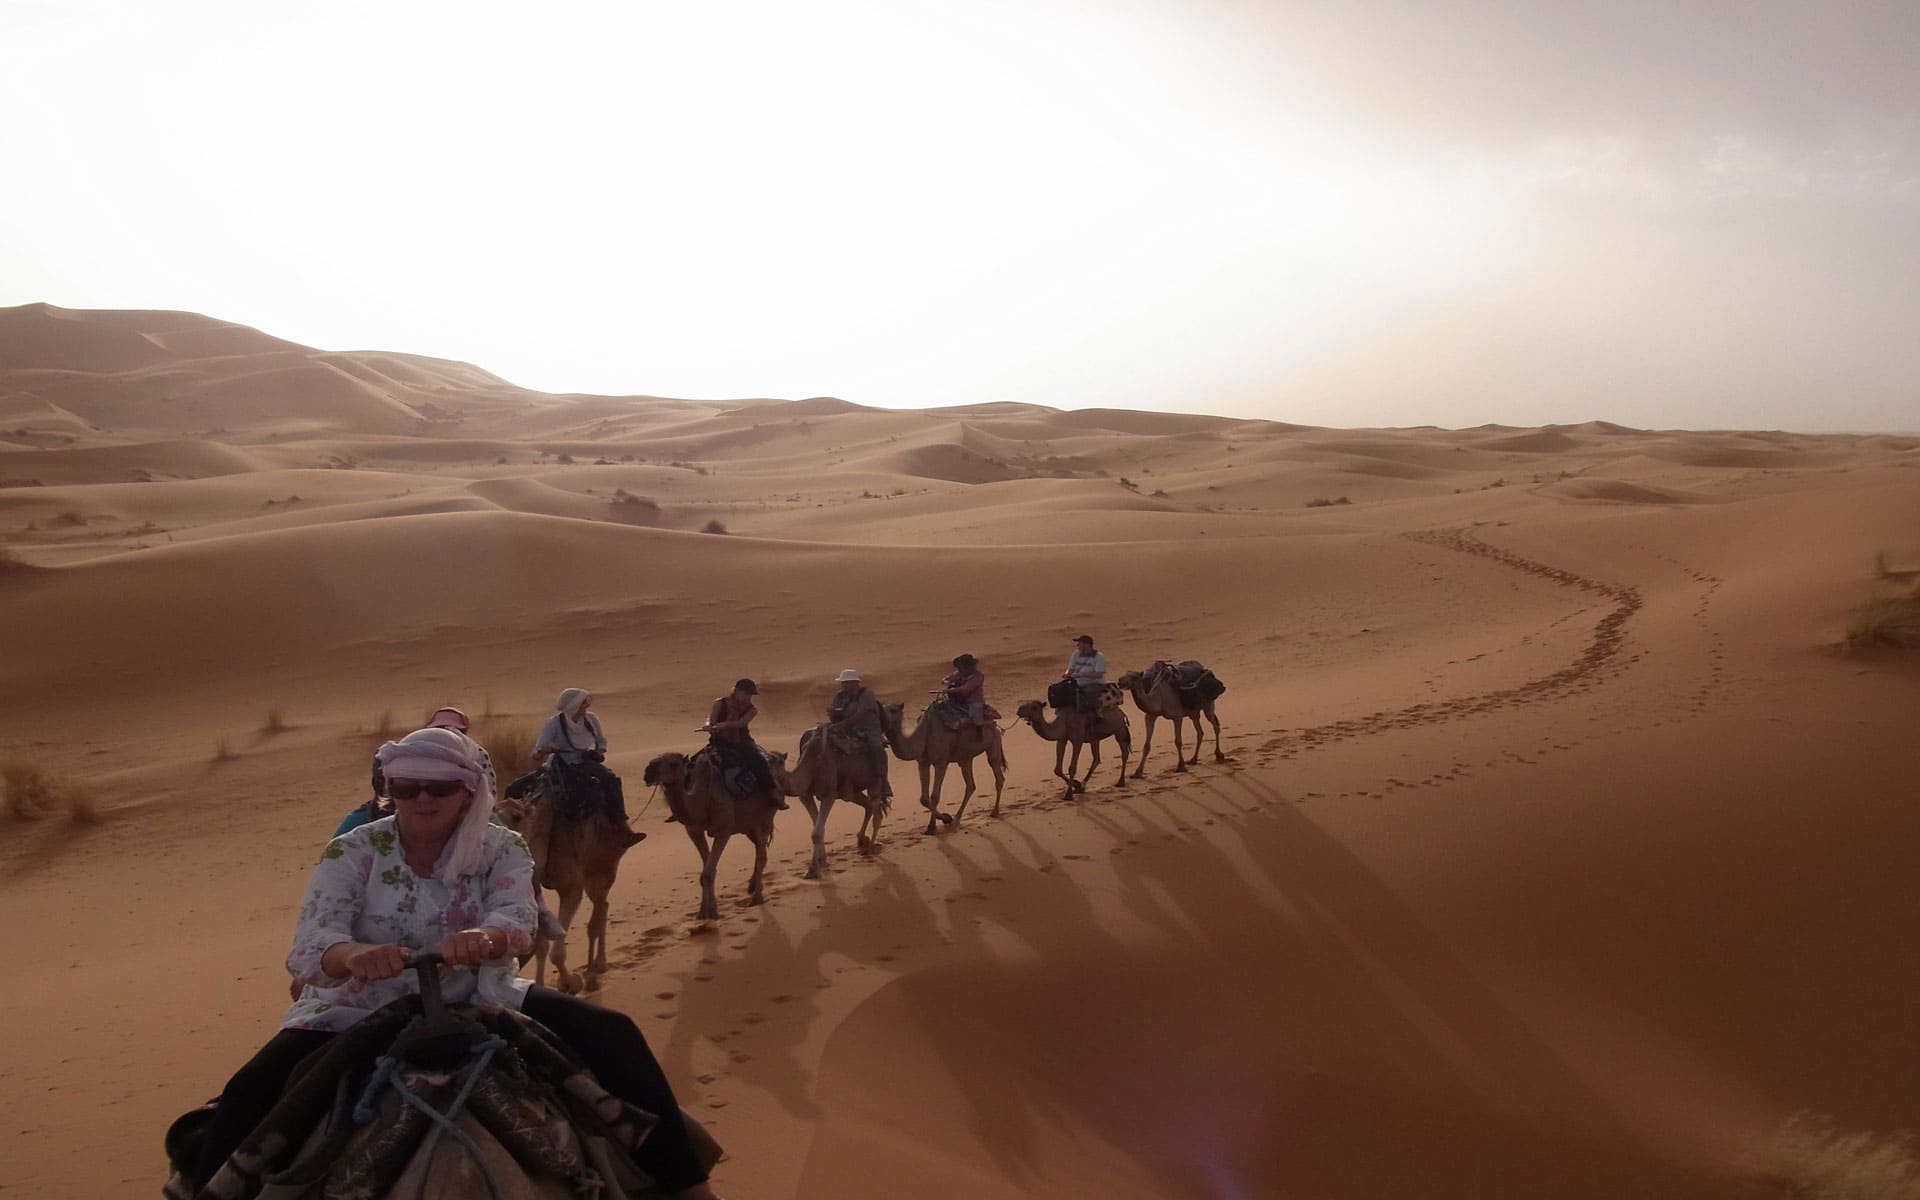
(440, 789)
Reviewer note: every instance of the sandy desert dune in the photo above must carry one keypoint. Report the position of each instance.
(1559, 852)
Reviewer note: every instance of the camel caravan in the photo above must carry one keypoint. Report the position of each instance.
(571, 808)
(537, 1091)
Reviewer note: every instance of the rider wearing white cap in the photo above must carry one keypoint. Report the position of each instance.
(856, 711)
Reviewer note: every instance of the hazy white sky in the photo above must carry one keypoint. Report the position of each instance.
(1695, 213)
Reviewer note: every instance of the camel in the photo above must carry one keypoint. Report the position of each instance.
(1162, 699)
(935, 747)
(705, 808)
(822, 776)
(572, 857)
(1077, 728)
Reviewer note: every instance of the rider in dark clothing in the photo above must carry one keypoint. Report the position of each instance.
(727, 733)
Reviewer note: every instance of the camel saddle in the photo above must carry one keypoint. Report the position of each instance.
(953, 717)
(529, 1121)
(735, 775)
(1196, 685)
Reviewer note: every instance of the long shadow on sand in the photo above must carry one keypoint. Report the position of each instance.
(1241, 1011)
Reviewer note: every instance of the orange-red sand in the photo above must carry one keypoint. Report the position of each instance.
(1558, 853)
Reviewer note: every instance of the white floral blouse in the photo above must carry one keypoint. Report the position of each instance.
(363, 891)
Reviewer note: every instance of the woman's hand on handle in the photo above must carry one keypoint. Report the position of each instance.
(469, 947)
(364, 961)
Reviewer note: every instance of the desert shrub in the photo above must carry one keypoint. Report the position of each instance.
(509, 745)
(1885, 619)
(1812, 1160)
(274, 720)
(33, 792)
(30, 790)
(222, 752)
(68, 518)
(564, 459)
(714, 526)
(1323, 502)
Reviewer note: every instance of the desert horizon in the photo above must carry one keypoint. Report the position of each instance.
(1562, 845)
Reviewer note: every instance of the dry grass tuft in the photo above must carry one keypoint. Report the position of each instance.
(714, 526)
(223, 752)
(1885, 619)
(383, 729)
(274, 721)
(34, 792)
(1812, 1160)
(509, 745)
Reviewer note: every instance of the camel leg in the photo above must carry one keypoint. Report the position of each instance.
(817, 813)
(1147, 748)
(875, 813)
(1125, 742)
(709, 904)
(936, 818)
(930, 795)
(1179, 749)
(756, 887)
(997, 759)
(966, 777)
(569, 905)
(1218, 754)
(1059, 755)
(597, 930)
(1093, 764)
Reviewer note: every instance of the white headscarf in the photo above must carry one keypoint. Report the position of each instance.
(571, 700)
(444, 754)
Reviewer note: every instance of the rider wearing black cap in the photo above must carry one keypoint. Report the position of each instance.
(726, 727)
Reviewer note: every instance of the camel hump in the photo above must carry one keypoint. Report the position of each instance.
(1197, 685)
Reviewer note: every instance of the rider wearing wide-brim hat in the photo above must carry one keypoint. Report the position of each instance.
(967, 688)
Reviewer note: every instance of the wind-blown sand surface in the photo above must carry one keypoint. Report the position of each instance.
(1558, 854)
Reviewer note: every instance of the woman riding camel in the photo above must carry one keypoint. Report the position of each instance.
(967, 688)
(572, 735)
(436, 875)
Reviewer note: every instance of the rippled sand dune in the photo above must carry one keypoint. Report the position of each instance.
(1558, 851)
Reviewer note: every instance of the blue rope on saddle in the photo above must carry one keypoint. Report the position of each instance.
(386, 1072)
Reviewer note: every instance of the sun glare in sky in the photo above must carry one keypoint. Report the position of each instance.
(1130, 204)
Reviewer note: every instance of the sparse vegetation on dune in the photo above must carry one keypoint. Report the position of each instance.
(1810, 1159)
(33, 792)
(508, 744)
(1885, 620)
(274, 720)
(714, 526)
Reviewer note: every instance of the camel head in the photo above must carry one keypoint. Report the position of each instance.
(513, 813)
(777, 767)
(1131, 680)
(668, 769)
(1032, 711)
(892, 715)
